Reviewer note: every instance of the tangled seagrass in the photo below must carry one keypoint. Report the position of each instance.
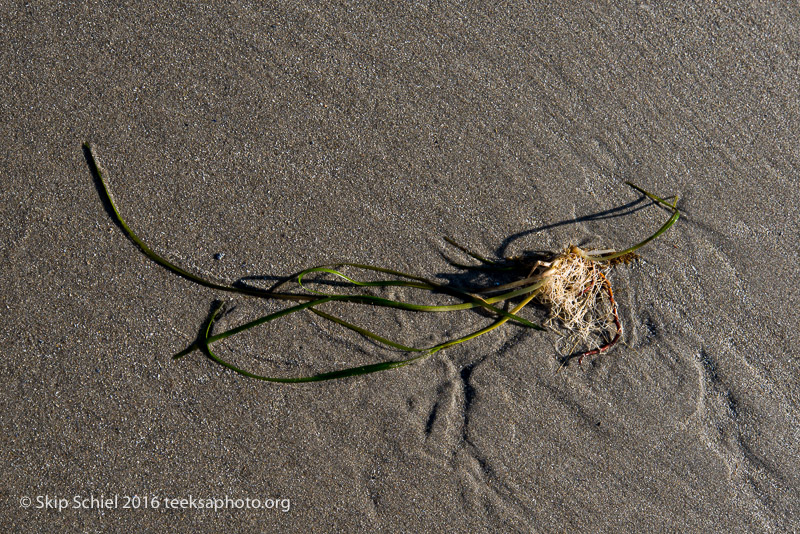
(571, 284)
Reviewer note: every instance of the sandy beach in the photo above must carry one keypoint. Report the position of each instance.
(252, 141)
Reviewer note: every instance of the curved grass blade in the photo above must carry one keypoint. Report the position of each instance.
(332, 375)
(377, 283)
(364, 332)
(675, 215)
(109, 199)
(489, 328)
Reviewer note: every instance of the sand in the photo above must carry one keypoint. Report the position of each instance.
(278, 138)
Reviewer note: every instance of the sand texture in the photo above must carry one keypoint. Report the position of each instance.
(256, 140)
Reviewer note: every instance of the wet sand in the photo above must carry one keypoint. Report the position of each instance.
(249, 141)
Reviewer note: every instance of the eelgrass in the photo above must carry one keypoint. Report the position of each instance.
(572, 285)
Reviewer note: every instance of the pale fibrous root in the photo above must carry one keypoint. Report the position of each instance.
(581, 303)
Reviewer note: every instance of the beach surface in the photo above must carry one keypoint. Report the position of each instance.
(253, 141)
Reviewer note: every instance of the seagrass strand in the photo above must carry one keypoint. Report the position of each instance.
(571, 285)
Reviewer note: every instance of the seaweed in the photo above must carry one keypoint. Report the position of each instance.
(572, 285)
